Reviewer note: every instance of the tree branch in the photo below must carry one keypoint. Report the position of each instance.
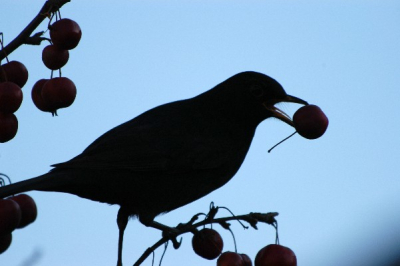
(49, 7)
(251, 218)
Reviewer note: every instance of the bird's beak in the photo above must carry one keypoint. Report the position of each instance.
(281, 115)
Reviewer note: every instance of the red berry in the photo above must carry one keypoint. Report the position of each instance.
(10, 216)
(58, 93)
(28, 209)
(54, 57)
(246, 260)
(230, 258)
(207, 243)
(37, 96)
(10, 97)
(5, 242)
(14, 71)
(310, 122)
(8, 127)
(275, 255)
(65, 33)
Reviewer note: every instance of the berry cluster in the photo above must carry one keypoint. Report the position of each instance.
(48, 95)
(208, 244)
(13, 76)
(22, 209)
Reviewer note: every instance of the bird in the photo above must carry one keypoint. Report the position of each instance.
(171, 155)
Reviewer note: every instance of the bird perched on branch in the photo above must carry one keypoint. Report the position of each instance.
(170, 155)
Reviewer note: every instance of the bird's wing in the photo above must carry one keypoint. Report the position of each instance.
(152, 146)
(144, 152)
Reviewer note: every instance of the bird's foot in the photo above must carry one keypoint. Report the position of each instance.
(170, 233)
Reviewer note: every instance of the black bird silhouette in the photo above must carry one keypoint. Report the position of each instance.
(170, 155)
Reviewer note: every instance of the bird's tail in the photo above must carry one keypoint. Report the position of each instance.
(36, 183)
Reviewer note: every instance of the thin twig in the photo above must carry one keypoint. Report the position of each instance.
(23, 38)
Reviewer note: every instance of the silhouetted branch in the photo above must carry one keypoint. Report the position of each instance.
(48, 8)
(252, 219)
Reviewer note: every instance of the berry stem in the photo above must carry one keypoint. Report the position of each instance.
(234, 239)
(281, 142)
(48, 7)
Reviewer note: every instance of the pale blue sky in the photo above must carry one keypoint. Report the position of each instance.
(338, 196)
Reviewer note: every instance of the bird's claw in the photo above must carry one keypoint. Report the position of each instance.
(175, 243)
(171, 234)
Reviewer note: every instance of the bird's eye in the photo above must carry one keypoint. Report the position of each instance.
(257, 90)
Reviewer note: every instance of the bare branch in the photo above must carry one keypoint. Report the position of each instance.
(24, 37)
(251, 218)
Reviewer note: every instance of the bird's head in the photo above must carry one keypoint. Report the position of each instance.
(265, 92)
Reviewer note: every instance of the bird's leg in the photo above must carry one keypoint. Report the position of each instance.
(122, 221)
